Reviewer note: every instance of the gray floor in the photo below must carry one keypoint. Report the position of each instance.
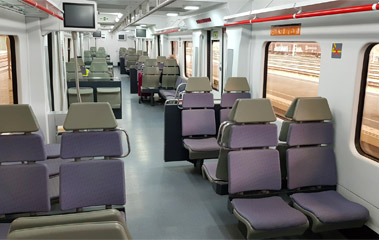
(166, 200)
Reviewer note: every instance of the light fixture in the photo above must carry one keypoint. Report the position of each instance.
(191, 7)
(172, 14)
(112, 27)
(117, 19)
(119, 15)
(142, 25)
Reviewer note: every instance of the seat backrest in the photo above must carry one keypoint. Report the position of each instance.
(139, 52)
(94, 134)
(198, 115)
(23, 187)
(93, 49)
(98, 59)
(80, 61)
(101, 54)
(151, 76)
(99, 67)
(101, 49)
(170, 73)
(161, 59)
(70, 67)
(309, 160)
(151, 63)
(248, 164)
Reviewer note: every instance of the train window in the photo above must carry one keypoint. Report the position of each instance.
(174, 48)
(216, 64)
(8, 87)
(292, 70)
(367, 134)
(188, 58)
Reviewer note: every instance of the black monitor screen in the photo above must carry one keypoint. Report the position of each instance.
(79, 15)
(121, 37)
(141, 33)
(96, 34)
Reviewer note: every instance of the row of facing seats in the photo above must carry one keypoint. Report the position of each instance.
(255, 171)
(20, 144)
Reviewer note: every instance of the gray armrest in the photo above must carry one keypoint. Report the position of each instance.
(98, 230)
(75, 218)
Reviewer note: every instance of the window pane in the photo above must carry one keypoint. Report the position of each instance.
(216, 64)
(188, 59)
(293, 70)
(369, 138)
(6, 87)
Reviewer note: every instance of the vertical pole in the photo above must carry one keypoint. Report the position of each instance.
(75, 38)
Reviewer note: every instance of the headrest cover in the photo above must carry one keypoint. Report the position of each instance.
(17, 118)
(151, 63)
(83, 116)
(198, 84)
(170, 63)
(239, 84)
(252, 111)
(309, 109)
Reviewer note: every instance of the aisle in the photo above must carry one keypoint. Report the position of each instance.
(166, 200)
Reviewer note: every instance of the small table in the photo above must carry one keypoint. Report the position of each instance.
(152, 91)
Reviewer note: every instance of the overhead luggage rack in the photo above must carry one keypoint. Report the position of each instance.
(33, 8)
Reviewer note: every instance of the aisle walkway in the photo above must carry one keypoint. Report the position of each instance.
(166, 200)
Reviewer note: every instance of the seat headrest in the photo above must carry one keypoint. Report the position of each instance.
(252, 111)
(239, 84)
(309, 109)
(70, 67)
(83, 116)
(143, 59)
(151, 63)
(17, 118)
(170, 63)
(198, 84)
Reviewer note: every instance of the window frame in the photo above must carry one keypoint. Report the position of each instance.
(361, 103)
(185, 58)
(265, 69)
(13, 62)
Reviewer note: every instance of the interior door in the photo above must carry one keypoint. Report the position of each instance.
(216, 56)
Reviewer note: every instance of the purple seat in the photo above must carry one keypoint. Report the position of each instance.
(199, 121)
(309, 164)
(4, 230)
(331, 207)
(259, 170)
(86, 183)
(246, 129)
(271, 213)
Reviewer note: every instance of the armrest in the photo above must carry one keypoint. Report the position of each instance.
(75, 218)
(97, 230)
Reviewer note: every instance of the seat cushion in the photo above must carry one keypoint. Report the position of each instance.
(53, 150)
(270, 213)
(210, 169)
(201, 145)
(165, 93)
(331, 207)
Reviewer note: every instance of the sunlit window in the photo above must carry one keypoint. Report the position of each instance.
(6, 83)
(188, 58)
(216, 61)
(293, 70)
(368, 117)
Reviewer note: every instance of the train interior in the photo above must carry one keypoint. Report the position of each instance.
(182, 119)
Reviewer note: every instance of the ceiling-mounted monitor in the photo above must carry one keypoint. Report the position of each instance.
(80, 16)
(96, 34)
(140, 33)
(121, 37)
